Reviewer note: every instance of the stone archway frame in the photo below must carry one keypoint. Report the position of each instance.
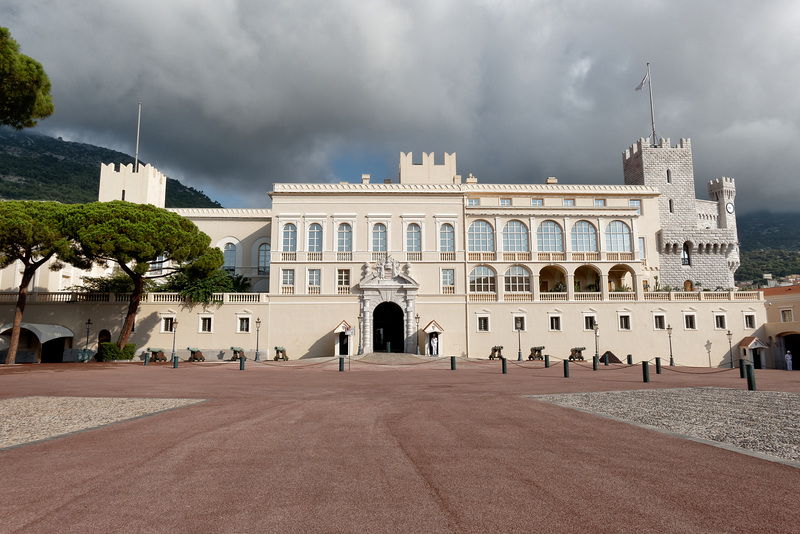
(387, 281)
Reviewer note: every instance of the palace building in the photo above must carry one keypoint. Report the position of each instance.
(448, 266)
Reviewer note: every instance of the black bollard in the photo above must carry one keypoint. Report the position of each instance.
(751, 378)
(341, 364)
(645, 372)
(741, 368)
(505, 370)
(452, 363)
(547, 360)
(566, 368)
(605, 359)
(146, 358)
(241, 362)
(658, 365)
(594, 363)
(630, 359)
(175, 362)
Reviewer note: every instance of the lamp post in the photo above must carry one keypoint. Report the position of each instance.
(518, 326)
(258, 328)
(174, 333)
(416, 342)
(730, 348)
(360, 334)
(597, 340)
(669, 333)
(88, 327)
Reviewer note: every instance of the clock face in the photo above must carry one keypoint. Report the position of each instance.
(729, 207)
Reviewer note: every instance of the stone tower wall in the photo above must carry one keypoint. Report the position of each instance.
(708, 231)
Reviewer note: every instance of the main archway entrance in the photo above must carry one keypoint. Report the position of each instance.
(388, 328)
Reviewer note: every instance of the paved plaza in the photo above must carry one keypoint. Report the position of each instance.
(413, 446)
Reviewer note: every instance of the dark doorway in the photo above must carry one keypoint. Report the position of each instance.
(387, 330)
(53, 351)
(104, 336)
(792, 343)
(343, 344)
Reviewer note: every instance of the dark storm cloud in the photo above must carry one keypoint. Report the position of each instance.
(238, 95)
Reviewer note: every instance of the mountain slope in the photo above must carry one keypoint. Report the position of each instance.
(37, 167)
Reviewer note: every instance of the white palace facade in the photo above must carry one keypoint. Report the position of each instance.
(639, 268)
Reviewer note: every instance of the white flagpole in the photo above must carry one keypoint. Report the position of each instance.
(652, 113)
(139, 122)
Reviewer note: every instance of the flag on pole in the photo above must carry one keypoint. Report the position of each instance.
(644, 81)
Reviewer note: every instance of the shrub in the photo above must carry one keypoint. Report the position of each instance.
(110, 351)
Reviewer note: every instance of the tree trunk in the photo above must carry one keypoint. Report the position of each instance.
(133, 307)
(22, 297)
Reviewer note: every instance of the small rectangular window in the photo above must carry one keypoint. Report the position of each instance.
(205, 324)
(635, 203)
(483, 323)
(642, 249)
(244, 324)
(659, 322)
(555, 323)
(750, 321)
(624, 322)
(599, 202)
(505, 201)
(167, 324)
(568, 202)
(588, 322)
(287, 277)
(719, 322)
(689, 322)
(473, 202)
(787, 316)
(537, 202)
(519, 323)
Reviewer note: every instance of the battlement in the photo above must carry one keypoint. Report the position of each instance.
(428, 172)
(721, 182)
(644, 143)
(147, 186)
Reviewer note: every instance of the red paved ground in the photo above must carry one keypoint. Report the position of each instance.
(380, 449)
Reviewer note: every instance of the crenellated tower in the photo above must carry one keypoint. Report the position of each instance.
(698, 243)
(147, 186)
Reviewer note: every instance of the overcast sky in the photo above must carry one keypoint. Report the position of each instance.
(239, 94)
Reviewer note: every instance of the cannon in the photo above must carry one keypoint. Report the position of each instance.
(196, 355)
(536, 353)
(156, 355)
(497, 352)
(280, 354)
(238, 352)
(576, 353)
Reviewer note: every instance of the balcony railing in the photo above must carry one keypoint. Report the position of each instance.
(448, 290)
(313, 290)
(344, 256)
(552, 256)
(481, 256)
(518, 297)
(553, 296)
(516, 256)
(483, 297)
(314, 256)
(447, 256)
(343, 290)
(288, 256)
(287, 290)
(413, 256)
(586, 296)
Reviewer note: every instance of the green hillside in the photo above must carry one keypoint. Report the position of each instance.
(37, 167)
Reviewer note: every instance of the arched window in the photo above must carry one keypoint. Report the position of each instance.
(686, 256)
(618, 237)
(229, 255)
(289, 238)
(549, 237)
(263, 258)
(413, 238)
(480, 237)
(584, 237)
(344, 238)
(315, 238)
(379, 238)
(482, 280)
(518, 280)
(447, 238)
(515, 237)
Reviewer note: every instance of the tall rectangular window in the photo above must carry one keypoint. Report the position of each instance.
(555, 323)
(244, 324)
(624, 322)
(642, 249)
(689, 322)
(287, 277)
(314, 281)
(636, 203)
(448, 281)
(343, 281)
(205, 324)
(659, 322)
(483, 323)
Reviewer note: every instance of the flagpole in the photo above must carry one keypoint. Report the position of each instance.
(652, 113)
(139, 122)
